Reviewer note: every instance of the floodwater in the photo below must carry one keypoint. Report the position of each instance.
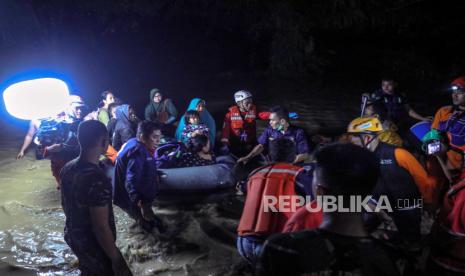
(201, 239)
(202, 236)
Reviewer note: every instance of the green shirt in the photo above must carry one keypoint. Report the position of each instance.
(103, 116)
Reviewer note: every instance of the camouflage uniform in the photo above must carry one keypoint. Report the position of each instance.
(85, 185)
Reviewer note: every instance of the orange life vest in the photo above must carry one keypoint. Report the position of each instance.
(239, 123)
(274, 180)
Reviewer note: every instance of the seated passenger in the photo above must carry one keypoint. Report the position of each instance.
(198, 153)
(126, 125)
(192, 126)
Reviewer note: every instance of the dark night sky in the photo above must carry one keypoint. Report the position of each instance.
(210, 48)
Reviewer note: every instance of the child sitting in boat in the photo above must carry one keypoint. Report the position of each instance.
(192, 127)
(198, 153)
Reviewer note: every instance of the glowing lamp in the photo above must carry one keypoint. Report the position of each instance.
(36, 99)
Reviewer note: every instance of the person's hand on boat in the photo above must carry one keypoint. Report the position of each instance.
(54, 148)
(243, 160)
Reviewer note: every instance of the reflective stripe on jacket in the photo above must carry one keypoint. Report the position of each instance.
(265, 183)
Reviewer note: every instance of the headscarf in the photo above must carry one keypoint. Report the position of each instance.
(205, 118)
(153, 106)
(122, 117)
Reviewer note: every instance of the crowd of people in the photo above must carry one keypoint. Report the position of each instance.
(376, 158)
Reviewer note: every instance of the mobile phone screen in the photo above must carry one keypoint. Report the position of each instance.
(434, 147)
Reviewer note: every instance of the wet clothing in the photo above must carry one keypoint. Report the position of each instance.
(294, 134)
(250, 247)
(84, 185)
(135, 177)
(103, 116)
(190, 159)
(448, 246)
(189, 130)
(125, 129)
(205, 118)
(395, 106)
(318, 252)
(163, 112)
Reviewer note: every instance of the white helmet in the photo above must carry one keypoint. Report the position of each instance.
(242, 95)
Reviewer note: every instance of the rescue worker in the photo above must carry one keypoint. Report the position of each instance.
(239, 134)
(389, 134)
(274, 180)
(341, 245)
(448, 235)
(403, 180)
(449, 121)
(135, 179)
(61, 153)
(396, 105)
(280, 127)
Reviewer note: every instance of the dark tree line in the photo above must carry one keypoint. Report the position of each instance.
(416, 39)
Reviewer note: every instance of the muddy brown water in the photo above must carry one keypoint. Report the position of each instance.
(202, 235)
(200, 240)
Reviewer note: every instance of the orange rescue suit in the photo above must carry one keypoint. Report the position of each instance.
(275, 180)
(240, 124)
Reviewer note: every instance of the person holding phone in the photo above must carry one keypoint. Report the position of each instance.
(403, 178)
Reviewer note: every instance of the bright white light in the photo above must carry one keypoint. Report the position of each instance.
(36, 99)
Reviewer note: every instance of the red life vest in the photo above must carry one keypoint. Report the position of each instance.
(275, 180)
(448, 248)
(241, 122)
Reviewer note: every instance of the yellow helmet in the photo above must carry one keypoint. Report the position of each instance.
(365, 125)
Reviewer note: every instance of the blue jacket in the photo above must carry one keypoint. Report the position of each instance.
(135, 176)
(205, 118)
(124, 128)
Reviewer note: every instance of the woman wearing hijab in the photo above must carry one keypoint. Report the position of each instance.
(126, 124)
(161, 110)
(205, 118)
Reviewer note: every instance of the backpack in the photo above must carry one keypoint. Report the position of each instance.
(168, 154)
(163, 115)
(51, 132)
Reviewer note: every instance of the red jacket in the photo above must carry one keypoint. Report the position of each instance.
(449, 231)
(236, 123)
(275, 180)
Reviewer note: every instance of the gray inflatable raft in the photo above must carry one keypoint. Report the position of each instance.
(198, 179)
